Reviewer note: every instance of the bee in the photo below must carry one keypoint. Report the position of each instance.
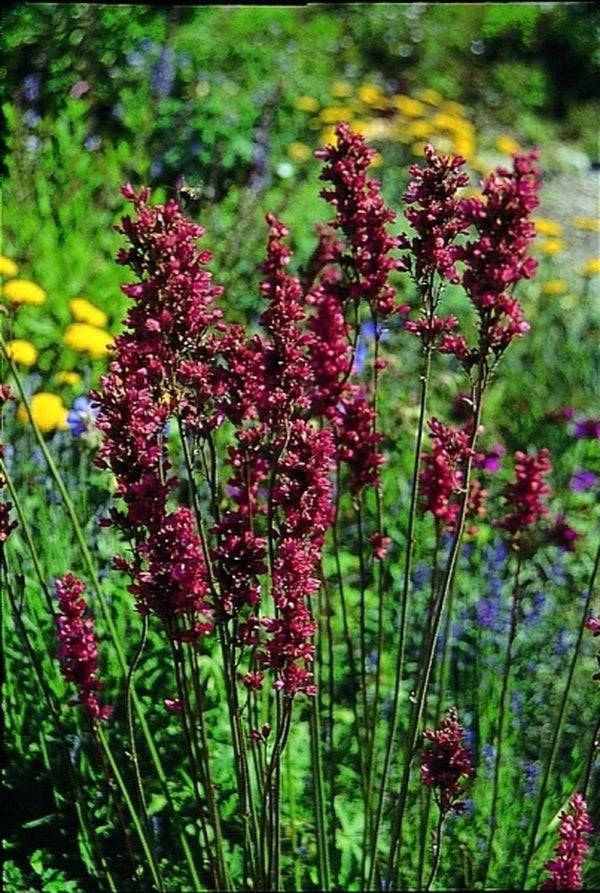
(189, 195)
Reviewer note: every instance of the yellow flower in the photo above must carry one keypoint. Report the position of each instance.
(341, 89)
(444, 121)
(22, 352)
(546, 227)
(7, 266)
(83, 336)
(454, 108)
(22, 291)
(431, 97)
(307, 104)
(464, 146)
(507, 144)
(69, 378)
(299, 151)
(84, 311)
(48, 411)
(408, 106)
(551, 246)
(328, 137)
(555, 287)
(591, 268)
(334, 113)
(373, 95)
(419, 129)
(591, 223)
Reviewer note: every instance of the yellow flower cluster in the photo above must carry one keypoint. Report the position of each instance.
(411, 120)
(22, 291)
(47, 410)
(82, 336)
(86, 334)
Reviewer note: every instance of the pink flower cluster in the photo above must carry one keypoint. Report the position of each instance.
(565, 868)
(78, 652)
(280, 482)
(177, 361)
(434, 214)
(365, 262)
(445, 762)
(524, 496)
(362, 215)
(488, 265)
(167, 344)
(441, 480)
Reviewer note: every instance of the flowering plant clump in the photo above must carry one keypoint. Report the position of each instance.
(306, 595)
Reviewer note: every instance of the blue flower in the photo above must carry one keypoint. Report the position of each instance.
(81, 419)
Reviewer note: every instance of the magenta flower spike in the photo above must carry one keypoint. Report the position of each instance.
(362, 216)
(565, 868)
(78, 650)
(524, 496)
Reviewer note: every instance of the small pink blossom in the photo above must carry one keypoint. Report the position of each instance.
(524, 496)
(565, 868)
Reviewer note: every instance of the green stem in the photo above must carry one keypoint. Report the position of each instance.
(143, 806)
(93, 577)
(410, 541)
(558, 728)
(427, 663)
(319, 795)
(437, 851)
(124, 793)
(501, 720)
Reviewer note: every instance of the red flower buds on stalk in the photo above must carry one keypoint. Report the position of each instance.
(565, 868)
(445, 761)
(78, 652)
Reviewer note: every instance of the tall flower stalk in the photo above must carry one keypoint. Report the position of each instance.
(493, 259)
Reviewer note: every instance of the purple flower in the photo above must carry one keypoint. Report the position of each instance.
(588, 428)
(31, 87)
(582, 480)
(81, 418)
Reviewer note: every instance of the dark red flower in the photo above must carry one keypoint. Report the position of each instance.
(78, 651)
(445, 762)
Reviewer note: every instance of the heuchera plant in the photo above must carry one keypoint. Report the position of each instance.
(232, 450)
